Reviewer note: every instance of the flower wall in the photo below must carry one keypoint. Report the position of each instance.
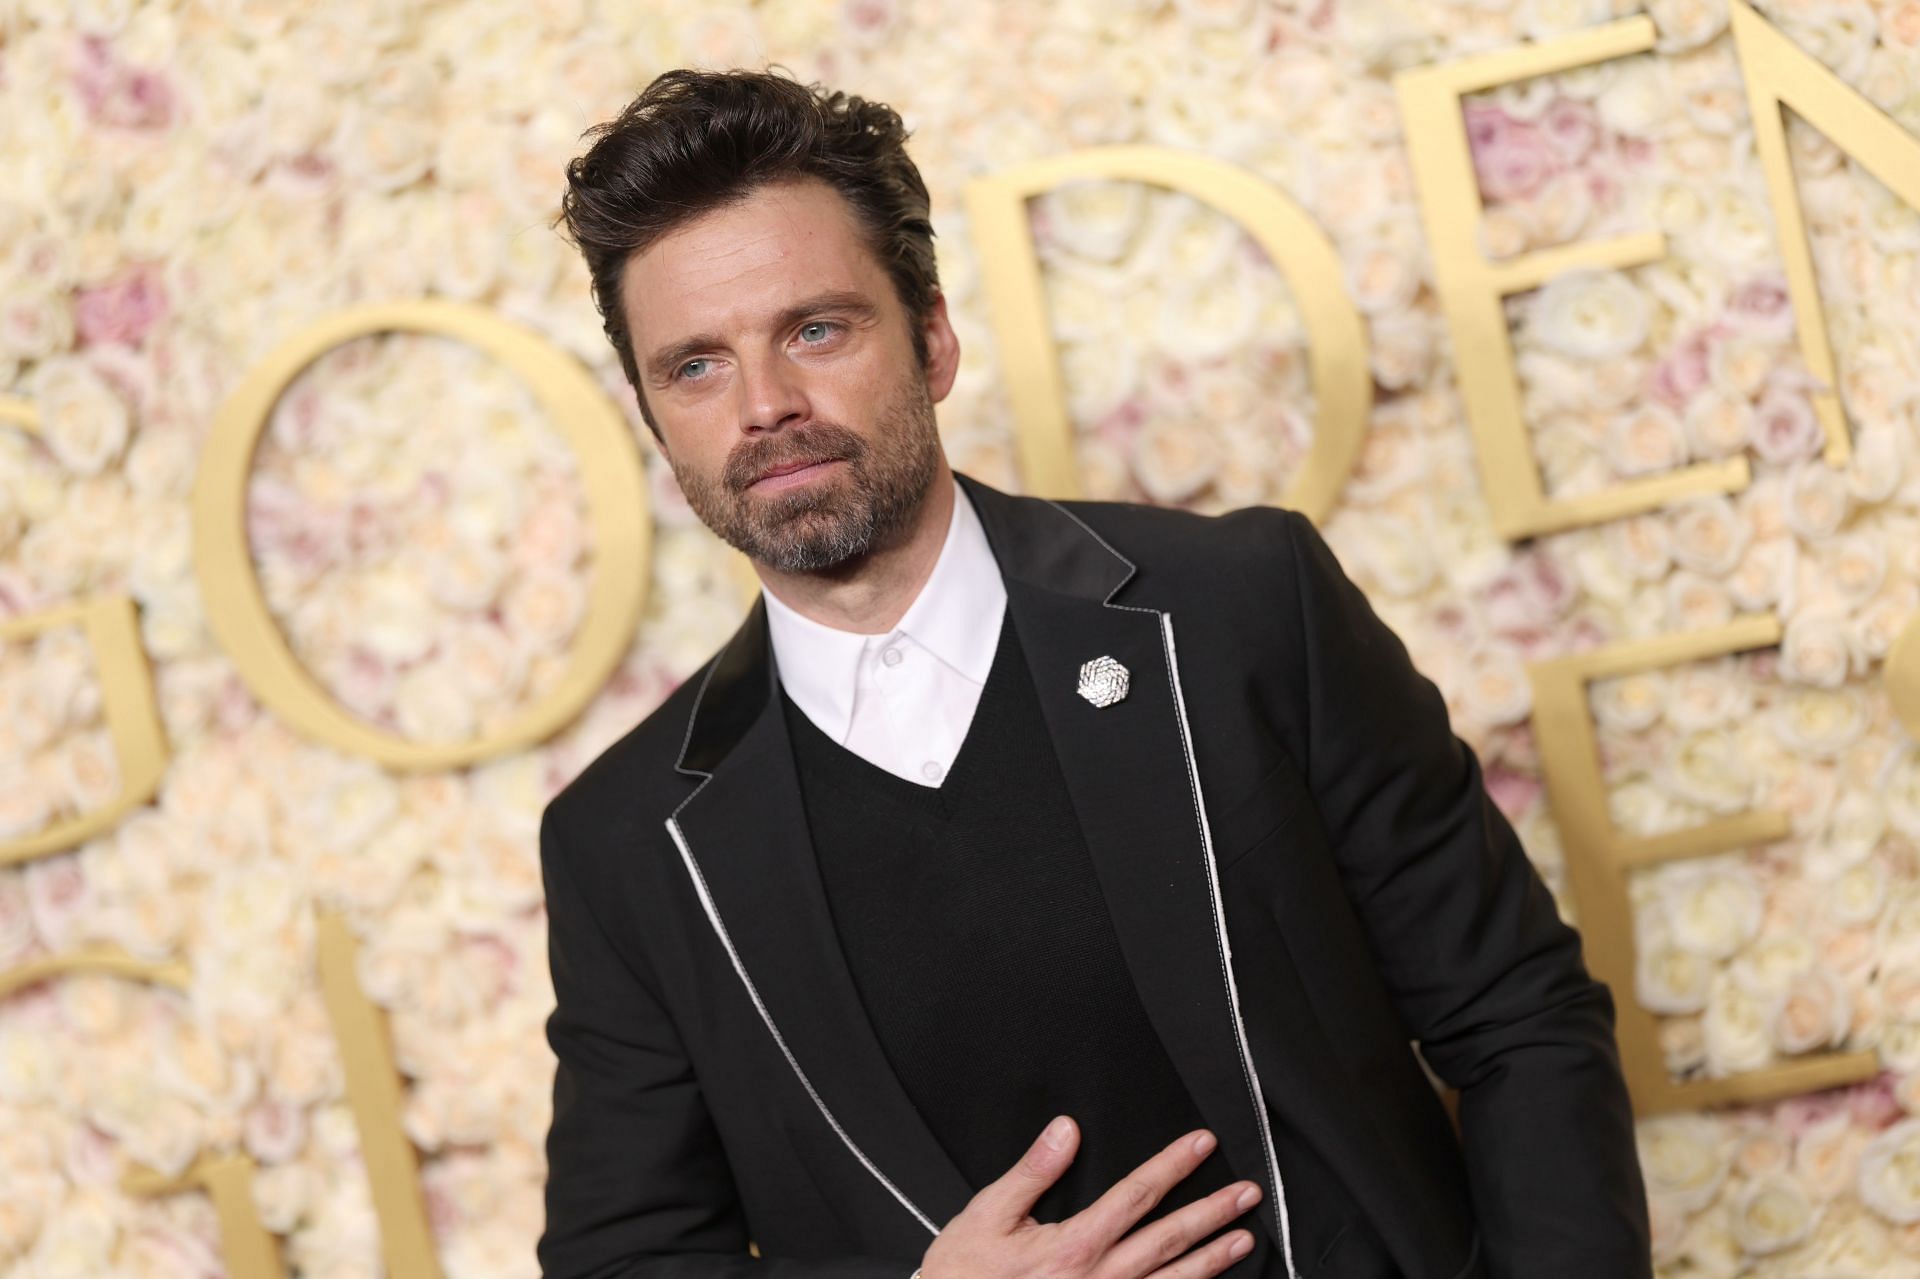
(188, 184)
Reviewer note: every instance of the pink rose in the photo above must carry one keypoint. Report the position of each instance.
(123, 309)
(1796, 1116)
(1874, 1104)
(1681, 372)
(117, 95)
(1762, 305)
(1514, 793)
(1510, 157)
(1571, 127)
(58, 897)
(1785, 429)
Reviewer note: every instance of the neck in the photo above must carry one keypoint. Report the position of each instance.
(869, 595)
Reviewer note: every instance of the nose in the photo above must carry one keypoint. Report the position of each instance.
(771, 395)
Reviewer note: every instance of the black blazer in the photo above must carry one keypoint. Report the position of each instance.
(1303, 868)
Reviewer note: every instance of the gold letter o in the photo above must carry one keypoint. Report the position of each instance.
(236, 608)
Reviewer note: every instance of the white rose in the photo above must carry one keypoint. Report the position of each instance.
(1685, 1159)
(1815, 649)
(1628, 703)
(1764, 573)
(1709, 535)
(1397, 556)
(1737, 1030)
(1718, 424)
(1646, 440)
(1817, 500)
(1819, 723)
(1210, 320)
(1858, 893)
(1878, 464)
(1890, 1173)
(1708, 769)
(1099, 221)
(1853, 831)
(542, 612)
(1814, 1013)
(1713, 910)
(1900, 789)
(1772, 1214)
(78, 1240)
(1642, 544)
(1592, 315)
(1639, 100)
(1696, 602)
(83, 420)
(1670, 981)
(1174, 460)
(1855, 566)
(1687, 24)
(1826, 1159)
(1737, 368)
(1707, 695)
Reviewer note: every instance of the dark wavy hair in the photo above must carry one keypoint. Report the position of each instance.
(695, 141)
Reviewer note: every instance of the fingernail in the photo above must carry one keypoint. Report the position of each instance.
(1056, 1134)
(1248, 1198)
(1203, 1143)
(1240, 1247)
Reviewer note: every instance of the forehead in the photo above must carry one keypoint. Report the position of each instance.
(734, 265)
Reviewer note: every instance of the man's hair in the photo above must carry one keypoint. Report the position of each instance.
(695, 141)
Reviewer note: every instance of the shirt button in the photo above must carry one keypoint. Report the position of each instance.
(892, 656)
(931, 771)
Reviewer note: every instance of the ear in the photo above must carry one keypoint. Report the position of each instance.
(943, 349)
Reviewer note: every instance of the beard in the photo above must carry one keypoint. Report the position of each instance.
(828, 523)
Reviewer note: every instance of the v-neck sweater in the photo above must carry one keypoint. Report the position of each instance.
(972, 922)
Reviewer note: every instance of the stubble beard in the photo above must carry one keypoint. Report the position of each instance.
(832, 523)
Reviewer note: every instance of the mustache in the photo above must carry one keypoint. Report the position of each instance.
(825, 442)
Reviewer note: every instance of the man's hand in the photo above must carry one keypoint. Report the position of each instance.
(993, 1237)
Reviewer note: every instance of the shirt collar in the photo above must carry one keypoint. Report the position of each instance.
(956, 617)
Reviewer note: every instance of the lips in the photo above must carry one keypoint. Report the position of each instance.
(788, 468)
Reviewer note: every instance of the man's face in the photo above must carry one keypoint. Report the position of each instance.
(779, 368)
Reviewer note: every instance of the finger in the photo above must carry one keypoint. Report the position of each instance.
(1204, 1263)
(1008, 1200)
(1162, 1242)
(1134, 1195)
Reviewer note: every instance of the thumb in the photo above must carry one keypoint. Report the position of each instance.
(1008, 1201)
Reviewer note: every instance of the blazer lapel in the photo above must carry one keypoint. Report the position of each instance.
(1130, 774)
(743, 834)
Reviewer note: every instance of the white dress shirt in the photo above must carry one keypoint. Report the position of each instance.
(903, 700)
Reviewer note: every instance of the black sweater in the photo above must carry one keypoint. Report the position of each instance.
(973, 924)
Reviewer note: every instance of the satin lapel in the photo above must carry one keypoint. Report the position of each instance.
(1127, 772)
(745, 833)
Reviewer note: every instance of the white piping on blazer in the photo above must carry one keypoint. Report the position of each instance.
(1213, 891)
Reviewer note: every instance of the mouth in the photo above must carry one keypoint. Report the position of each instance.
(789, 474)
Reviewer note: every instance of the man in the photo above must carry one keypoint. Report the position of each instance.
(998, 811)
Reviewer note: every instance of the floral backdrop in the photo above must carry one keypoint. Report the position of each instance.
(187, 184)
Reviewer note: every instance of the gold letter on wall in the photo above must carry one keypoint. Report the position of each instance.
(1598, 858)
(1472, 288)
(236, 608)
(126, 698)
(373, 1090)
(1337, 355)
(1780, 74)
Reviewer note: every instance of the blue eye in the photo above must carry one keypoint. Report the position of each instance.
(824, 329)
(691, 369)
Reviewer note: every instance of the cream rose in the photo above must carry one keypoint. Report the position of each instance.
(1685, 1158)
(1589, 315)
(83, 420)
(1890, 1173)
(1817, 500)
(1772, 1214)
(1712, 910)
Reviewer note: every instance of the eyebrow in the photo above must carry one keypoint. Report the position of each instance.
(662, 364)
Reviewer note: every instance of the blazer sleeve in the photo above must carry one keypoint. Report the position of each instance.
(638, 1186)
(1476, 958)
